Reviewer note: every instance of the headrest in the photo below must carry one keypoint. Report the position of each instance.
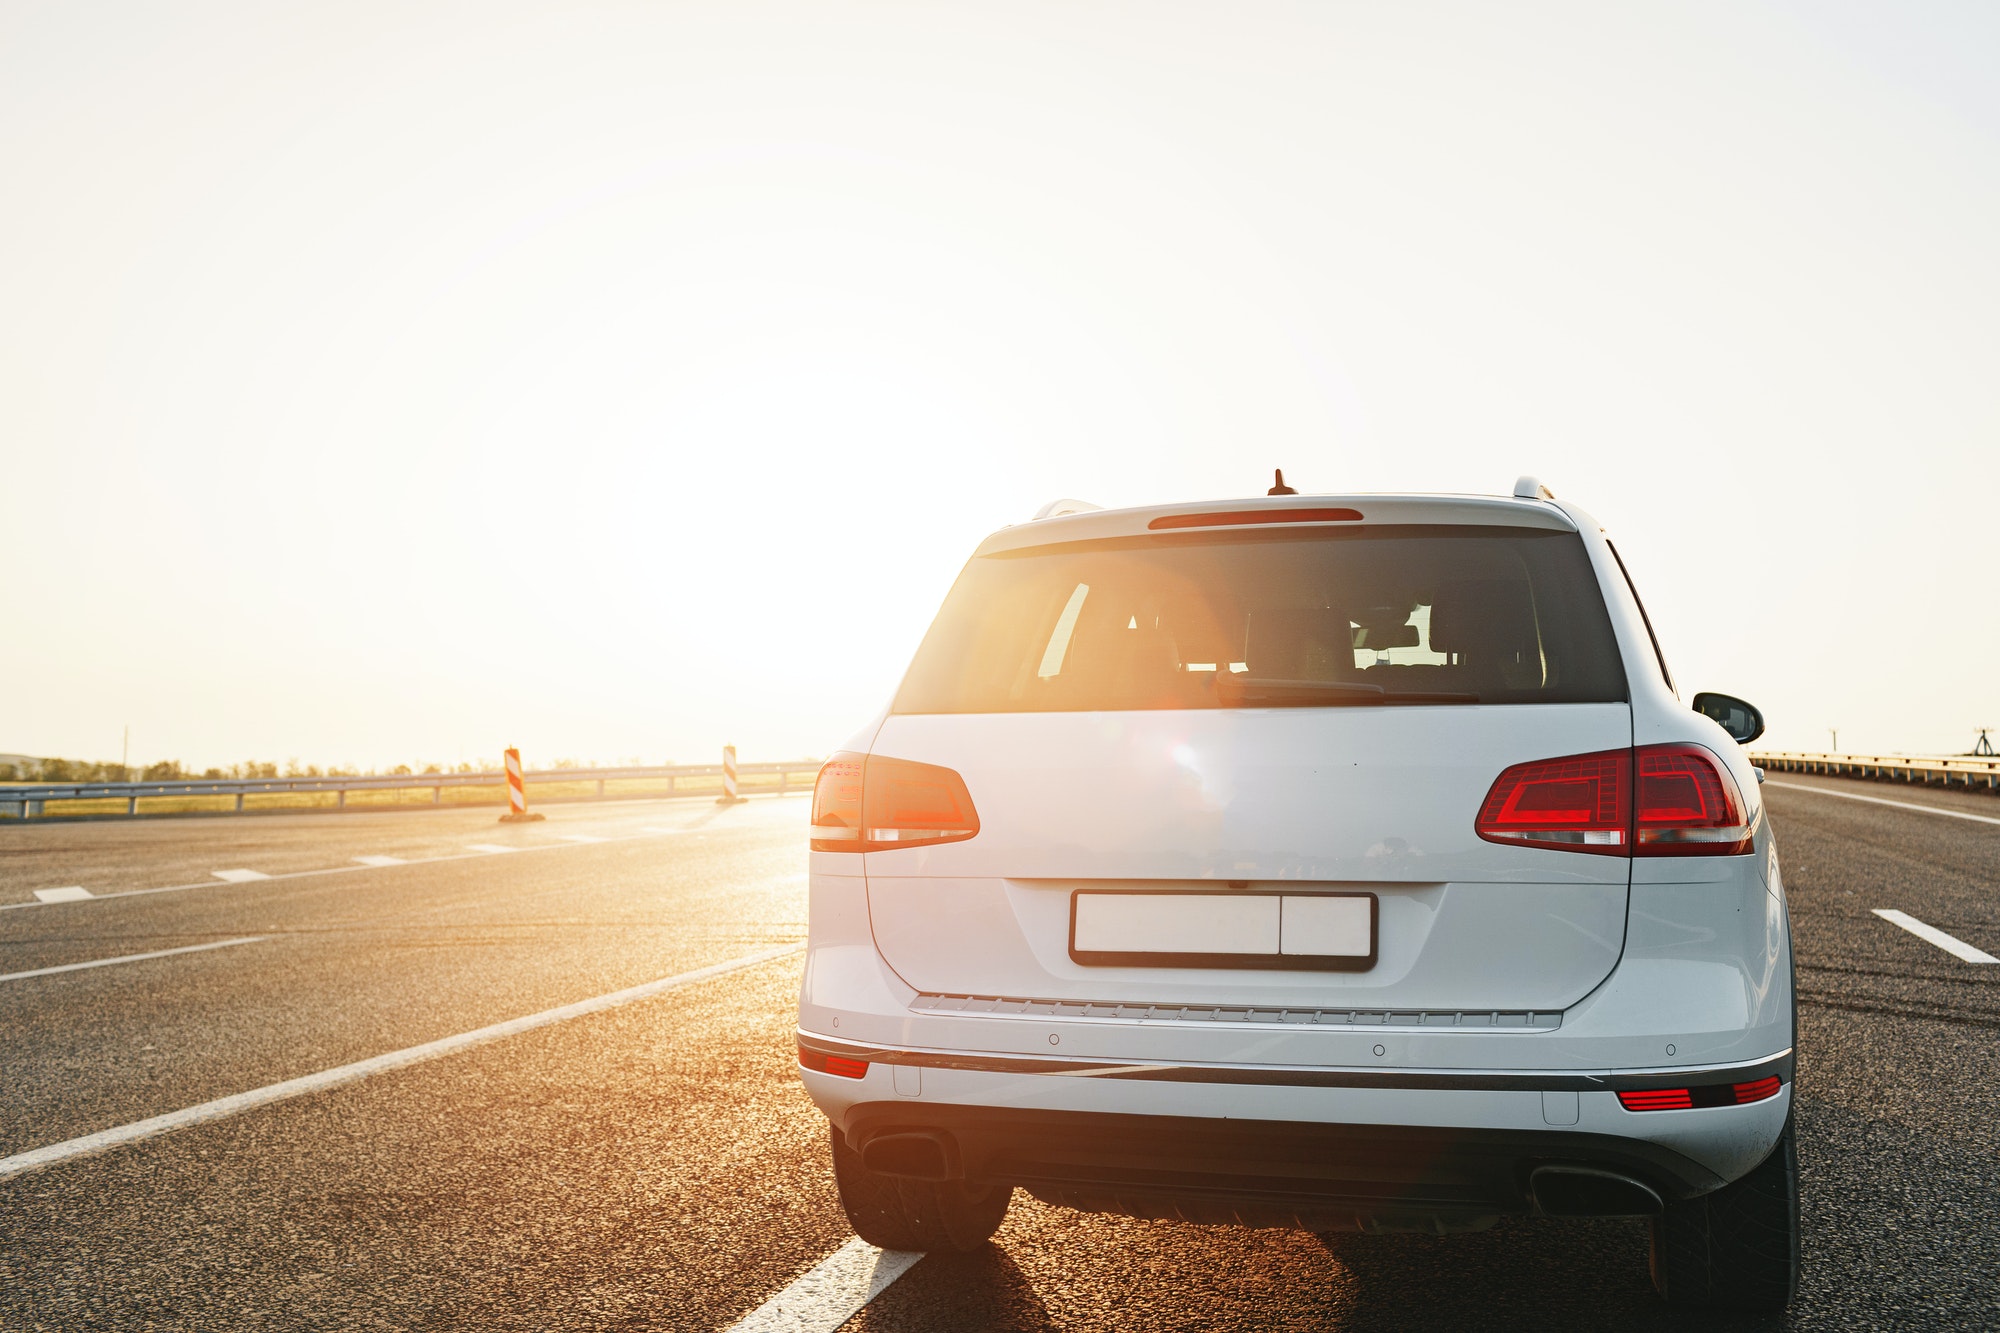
(1384, 627)
(1488, 619)
(1299, 643)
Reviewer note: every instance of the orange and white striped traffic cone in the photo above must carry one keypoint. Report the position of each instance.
(517, 792)
(729, 795)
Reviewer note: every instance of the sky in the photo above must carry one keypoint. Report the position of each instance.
(387, 383)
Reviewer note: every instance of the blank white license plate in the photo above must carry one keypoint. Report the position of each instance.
(1147, 928)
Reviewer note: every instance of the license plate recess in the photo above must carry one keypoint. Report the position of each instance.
(1285, 930)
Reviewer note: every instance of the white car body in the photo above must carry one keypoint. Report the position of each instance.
(1514, 991)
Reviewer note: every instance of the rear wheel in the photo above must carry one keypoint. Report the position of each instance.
(902, 1213)
(1737, 1248)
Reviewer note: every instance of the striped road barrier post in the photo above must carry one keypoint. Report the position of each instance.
(517, 792)
(730, 794)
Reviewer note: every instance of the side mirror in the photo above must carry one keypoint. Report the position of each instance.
(1742, 721)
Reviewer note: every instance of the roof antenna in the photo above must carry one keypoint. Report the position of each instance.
(1280, 488)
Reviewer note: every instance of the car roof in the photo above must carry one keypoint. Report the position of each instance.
(1259, 512)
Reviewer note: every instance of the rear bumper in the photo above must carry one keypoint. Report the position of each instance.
(1099, 1107)
(1322, 1147)
(1322, 1177)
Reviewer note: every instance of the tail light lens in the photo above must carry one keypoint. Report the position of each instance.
(1705, 1097)
(1656, 800)
(821, 1063)
(1688, 805)
(836, 825)
(868, 803)
(1578, 804)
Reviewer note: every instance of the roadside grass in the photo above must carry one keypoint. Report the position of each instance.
(418, 795)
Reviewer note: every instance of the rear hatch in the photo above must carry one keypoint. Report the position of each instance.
(1239, 762)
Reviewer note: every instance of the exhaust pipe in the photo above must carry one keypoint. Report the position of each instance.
(923, 1154)
(1588, 1191)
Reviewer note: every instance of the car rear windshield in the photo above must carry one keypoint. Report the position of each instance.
(1303, 618)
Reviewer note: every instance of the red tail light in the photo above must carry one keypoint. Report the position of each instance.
(1657, 800)
(821, 1063)
(1705, 1097)
(1688, 805)
(1578, 804)
(867, 803)
(836, 825)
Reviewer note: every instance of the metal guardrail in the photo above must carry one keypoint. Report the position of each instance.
(1948, 769)
(26, 800)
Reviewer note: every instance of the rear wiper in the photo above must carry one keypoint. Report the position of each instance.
(1303, 693)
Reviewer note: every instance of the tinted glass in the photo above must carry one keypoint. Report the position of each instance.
(1356, 617)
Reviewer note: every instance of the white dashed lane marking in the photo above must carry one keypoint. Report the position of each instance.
(223, 1107)
(74, 893)
(380, 861)
(828, 1295)
(579, 837)
(239, 876)
(77, 894)
(128, 958)
(1951, 944)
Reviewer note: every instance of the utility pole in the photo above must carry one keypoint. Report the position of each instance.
(125, 752)
(1985, 745)
(1836, 738)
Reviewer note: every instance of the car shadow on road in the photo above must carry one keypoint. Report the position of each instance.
(1521, 1274)
(981, 1292)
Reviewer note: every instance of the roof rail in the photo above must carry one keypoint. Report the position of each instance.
(1531, 488)
(1057, 508)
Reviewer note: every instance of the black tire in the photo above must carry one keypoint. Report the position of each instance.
(901, 1213)
(1737, 1248)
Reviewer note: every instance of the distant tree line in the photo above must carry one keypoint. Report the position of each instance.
(171, 770)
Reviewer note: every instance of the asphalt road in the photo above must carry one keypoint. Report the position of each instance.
(655, 1166)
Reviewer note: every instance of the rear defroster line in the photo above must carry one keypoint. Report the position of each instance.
(224, 1107)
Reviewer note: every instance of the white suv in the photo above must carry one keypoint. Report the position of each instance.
(1320, 861)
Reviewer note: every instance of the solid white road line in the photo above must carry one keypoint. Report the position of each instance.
(1951, 944)
(1882, 800)
(129, 958)
(828, 1296)
(492, 847)
(239, 876)
(223, 1107)
(73, 893)
(580, 837)
(379, 861)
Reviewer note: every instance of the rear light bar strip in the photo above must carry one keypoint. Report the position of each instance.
(1703, 1097)
(1233, 517)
